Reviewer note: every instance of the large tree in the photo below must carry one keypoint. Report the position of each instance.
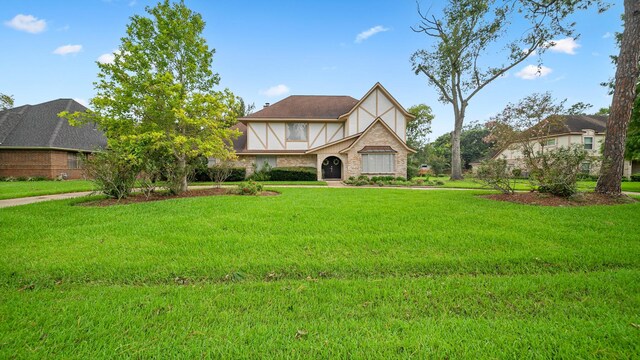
(159, 90)
(469, 30)
(420, 126)
(624, 95)
(474, 144)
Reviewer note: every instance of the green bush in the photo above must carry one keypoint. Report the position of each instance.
(587, 177)
(412, 171)
(113, 172)
(439, 182)
(556, 172)
(236, 174)
(635, 177)
(495, 173)
(249, 188)
(294, 174)
(264, 174)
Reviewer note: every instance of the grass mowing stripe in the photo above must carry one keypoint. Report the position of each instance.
(580, 315)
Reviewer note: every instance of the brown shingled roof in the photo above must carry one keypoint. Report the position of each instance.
(307, 107)
(377, 149)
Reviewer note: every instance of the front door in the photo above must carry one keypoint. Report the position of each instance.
(332, 168)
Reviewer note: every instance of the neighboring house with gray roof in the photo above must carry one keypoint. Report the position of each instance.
(34, 141)
(340, 136)
(587, 131)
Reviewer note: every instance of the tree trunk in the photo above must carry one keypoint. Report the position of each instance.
(182, 174)
(624, 94)
(456, 158)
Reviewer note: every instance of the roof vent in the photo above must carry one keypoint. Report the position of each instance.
(266, 105)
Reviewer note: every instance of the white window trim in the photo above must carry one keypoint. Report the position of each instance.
(584, 143)
(367, 171)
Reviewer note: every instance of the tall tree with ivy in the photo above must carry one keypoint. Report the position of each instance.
(469, 31)
(159, 91)
(624, 97)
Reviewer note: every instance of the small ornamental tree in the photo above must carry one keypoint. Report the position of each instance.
(525, 127)
(160, 86)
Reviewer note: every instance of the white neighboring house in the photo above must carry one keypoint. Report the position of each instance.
(586, 131)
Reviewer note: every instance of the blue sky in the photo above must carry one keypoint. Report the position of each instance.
(267, 50)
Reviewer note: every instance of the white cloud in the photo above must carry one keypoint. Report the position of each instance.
(28, 23)
(567, 46)
(369, 33)
(106, 58)
(68, 49)
(607, 35)
(83, 102)
(277, 90)
(531, 72)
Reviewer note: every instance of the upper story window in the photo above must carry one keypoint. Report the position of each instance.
(550, 142)
(297, 131)
(588, 142)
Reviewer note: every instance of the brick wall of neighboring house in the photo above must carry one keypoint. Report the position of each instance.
(32, 163)
(377, 136)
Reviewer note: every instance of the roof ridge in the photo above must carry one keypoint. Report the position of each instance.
(54, 135)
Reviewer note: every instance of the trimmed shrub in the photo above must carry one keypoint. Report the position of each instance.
(635, 177)
(294, 174)
(249, 188)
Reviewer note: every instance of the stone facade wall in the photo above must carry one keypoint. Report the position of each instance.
(32, 163)
(295, 160)
(333, 150)
(247, 161)
(378, 135)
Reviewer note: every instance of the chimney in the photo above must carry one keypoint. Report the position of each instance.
(266, 105)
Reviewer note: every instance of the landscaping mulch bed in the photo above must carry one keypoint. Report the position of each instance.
(580, 199)
(158, 196)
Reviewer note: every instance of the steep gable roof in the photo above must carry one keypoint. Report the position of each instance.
(378, 86)
(306, 107)
(378, 121)
(38, 126)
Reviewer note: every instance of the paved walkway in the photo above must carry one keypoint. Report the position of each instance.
(330, 184)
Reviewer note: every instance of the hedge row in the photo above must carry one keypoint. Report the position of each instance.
(237, 174)
(294, 174)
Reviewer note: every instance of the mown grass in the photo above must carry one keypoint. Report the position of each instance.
(320, 273)
(18, 189)
(471, 183)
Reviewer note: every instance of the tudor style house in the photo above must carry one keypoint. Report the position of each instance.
(586, 131)
(338, 135)
(35, 142)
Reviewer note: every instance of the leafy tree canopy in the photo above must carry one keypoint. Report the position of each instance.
(6, 101)
(159, 91)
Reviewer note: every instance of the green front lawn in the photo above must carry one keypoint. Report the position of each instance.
(311, 183)
(471, 183)
(320, 273)
(18, 189)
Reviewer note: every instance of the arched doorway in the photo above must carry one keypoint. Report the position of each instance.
(332, 168)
